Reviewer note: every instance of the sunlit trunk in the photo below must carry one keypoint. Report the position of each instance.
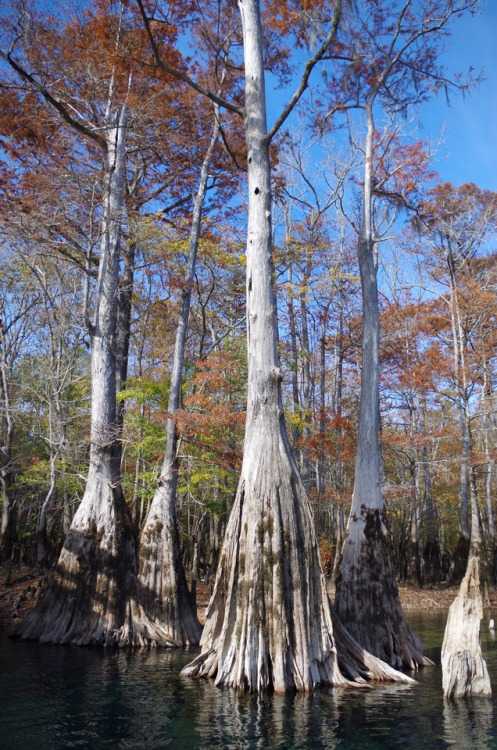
(8, 525)
(464, 671)
(87, 600)
(269, 623)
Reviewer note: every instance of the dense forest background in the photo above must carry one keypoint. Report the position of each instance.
(436, 253)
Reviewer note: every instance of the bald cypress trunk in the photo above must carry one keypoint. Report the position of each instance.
(163, 587)
(269, 623)
(367, 599)
(88, 599)
(8, 523)
(464, 671)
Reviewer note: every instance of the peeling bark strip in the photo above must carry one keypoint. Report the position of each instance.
(269, 624)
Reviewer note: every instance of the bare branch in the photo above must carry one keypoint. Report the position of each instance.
(56, 104)
(309, 66)
(180, 74)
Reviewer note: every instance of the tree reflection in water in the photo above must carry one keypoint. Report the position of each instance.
(54, 698)
(232, 721)
(468, 723)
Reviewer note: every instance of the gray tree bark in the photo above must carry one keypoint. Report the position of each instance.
(432, 563)
(88, 599)
(8, 524)
(367, 600)
(162, 582)
(464, 671)
(463, 546)
(122, 339)
(491, 536)
(42, 546)
(269, 623)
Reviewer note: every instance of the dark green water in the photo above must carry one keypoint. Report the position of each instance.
(53, 698)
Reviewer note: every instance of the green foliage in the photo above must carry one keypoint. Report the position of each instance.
(145, 391)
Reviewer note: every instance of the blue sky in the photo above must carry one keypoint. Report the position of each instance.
(468, 126)
(469, 151)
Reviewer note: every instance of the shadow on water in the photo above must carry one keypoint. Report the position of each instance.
(59, 697)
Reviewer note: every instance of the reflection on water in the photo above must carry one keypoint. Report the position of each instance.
(53, 698)
(469, 723)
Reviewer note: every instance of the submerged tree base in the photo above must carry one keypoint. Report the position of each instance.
(269, 623)
(357, 663)
(367, 599)
(91, 599)
(463, 668)
(162, 585)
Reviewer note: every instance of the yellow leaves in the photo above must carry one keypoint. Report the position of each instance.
(299, 419)
(337, 274)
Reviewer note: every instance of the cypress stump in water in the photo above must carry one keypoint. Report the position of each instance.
(463, 668)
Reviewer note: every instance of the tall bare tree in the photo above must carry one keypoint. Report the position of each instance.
(386, 46)
(269, 622)
(163, 588)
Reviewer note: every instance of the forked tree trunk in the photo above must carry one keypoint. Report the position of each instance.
(87, 601)
(162, 582)
(269, 622)
(367, 599)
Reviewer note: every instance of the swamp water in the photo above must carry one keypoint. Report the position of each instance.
(55, 698)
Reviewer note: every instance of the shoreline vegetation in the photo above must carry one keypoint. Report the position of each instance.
(19, 595)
